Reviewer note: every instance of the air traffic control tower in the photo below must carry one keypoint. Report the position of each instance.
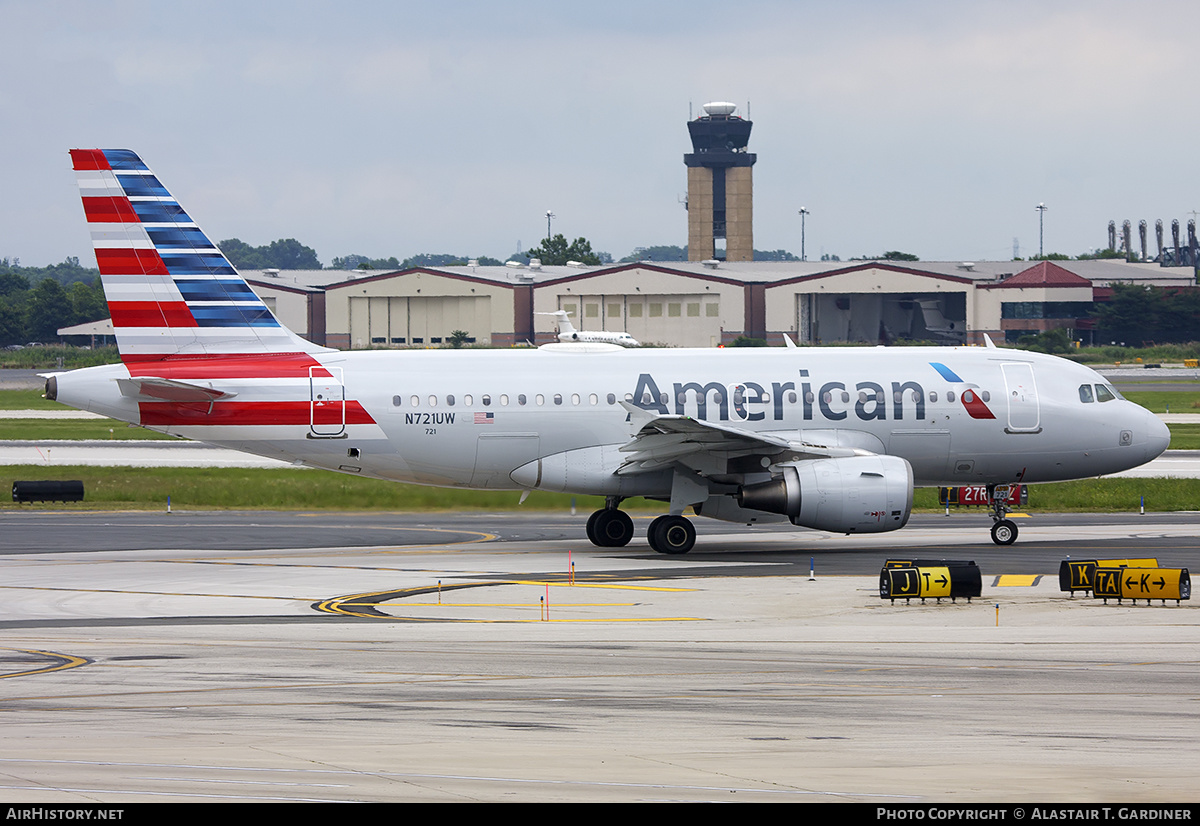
(720, 198)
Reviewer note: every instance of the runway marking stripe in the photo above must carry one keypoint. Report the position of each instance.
(563, 605)
(542, 582)
(64, 661)
(370, 603)
(1016, 580)
(603, 619)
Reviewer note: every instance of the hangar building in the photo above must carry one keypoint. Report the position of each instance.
(703, 304)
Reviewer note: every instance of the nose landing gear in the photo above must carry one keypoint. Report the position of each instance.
(1004, 531)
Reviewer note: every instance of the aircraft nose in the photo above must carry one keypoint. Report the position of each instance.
(1158, 436)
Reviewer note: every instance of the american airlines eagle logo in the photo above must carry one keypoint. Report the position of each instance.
(971, 401)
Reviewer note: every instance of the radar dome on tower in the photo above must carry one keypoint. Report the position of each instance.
(719, 108)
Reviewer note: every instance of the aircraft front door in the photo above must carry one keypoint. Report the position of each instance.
(327, 402)
(1023, 413)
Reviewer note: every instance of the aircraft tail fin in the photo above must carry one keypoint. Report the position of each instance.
(170, 291)
(934, 320)
(564, 322)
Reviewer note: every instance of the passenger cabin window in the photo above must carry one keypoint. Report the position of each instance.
(1103, 394)
(1085, 394)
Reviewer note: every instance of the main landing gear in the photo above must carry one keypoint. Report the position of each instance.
(1004, 531)
(612, 528)
(609, 527)
(671, 535)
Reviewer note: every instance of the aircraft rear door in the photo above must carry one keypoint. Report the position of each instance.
(1021, 391)
(327, 403)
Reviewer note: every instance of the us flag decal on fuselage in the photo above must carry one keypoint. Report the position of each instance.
(485, 418)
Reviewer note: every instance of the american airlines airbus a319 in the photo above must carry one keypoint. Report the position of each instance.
(831, 439)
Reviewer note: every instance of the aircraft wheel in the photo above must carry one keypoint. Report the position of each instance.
(611, 528)
(1004, 532)
(591, 527)
(672, 535)
(652, 533)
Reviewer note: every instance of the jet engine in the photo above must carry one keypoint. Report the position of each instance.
(856, 494)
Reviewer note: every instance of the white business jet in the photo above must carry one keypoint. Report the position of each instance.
(568, 334)
(832, 439)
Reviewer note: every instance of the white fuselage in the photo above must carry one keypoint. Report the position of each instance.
(483, 419)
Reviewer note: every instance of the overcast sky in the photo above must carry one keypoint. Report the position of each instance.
(394, 128)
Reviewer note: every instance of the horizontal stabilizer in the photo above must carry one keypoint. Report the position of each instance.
(151, 389)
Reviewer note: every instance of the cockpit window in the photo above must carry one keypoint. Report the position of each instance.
(1103, 393)
(1085, 394)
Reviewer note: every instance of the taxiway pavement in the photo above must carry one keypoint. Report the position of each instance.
(384, 657)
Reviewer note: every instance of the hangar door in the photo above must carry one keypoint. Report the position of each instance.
(384, 321)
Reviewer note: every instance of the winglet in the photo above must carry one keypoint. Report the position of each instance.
(987, 342)
(787, 342)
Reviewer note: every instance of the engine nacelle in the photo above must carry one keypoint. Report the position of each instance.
(724, 508)
(856, 494)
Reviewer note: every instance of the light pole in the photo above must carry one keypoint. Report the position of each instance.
(549, 215)
(1041, 208)
(803, 212)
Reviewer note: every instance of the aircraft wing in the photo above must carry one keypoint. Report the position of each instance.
(662, 440)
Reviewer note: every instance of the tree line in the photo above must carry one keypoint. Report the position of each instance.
(36, 301)
(1137, 315)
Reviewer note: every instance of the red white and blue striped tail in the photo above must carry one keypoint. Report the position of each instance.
(170, 291)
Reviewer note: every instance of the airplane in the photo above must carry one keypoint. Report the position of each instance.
(567, 332)
(936, 323)
(833, 439)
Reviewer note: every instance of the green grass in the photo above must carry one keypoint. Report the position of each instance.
(1184, 436)
(46, 358)
(1184, 400)
(295, 489)
(1096, 496)
(1129, 355)
(28, 400)
(73, 430)
(280, 489)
